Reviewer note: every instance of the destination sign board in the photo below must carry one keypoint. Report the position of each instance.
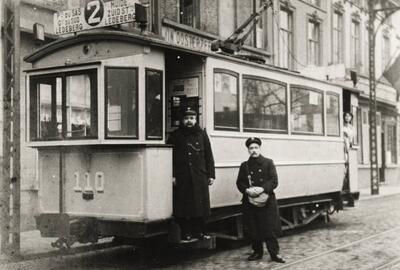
(94, 14)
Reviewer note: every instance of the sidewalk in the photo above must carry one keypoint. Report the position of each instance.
(384, 190)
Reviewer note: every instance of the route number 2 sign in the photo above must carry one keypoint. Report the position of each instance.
(94, 14)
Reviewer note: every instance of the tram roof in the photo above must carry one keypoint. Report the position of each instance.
(155, 41)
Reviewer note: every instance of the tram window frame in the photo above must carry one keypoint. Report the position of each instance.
(236, 75)
(265, 130)
(310, 89)
(136, 81)
(33, 104)
(160, 72)
(329, 93)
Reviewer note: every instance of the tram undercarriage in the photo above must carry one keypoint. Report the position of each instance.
(224, 223)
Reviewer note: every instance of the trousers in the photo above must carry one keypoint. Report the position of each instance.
(192, 226)
(272, 246)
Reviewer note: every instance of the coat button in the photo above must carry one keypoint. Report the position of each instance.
(260, 170)
(189, 153)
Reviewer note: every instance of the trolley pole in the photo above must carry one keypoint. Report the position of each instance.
(10, 181)
(373, 145)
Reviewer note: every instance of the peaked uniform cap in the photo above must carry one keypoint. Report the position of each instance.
(189, 111)
(251, 140)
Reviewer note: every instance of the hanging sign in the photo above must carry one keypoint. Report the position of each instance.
(94, 14)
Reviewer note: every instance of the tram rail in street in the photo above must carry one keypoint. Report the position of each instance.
(383, 266)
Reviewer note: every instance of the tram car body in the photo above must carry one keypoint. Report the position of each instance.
(100, 107)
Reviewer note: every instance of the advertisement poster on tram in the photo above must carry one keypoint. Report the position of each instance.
(94, 14)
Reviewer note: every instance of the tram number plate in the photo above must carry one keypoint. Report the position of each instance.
(94, 14)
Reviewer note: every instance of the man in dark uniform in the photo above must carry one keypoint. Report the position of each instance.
(262, 223)
(193, 172)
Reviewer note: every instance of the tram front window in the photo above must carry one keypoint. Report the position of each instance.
(48, 108)
(121, 96)
(78, 105)
(63, 106)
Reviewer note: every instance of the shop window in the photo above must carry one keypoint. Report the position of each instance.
(63, 106)
(378, 118)
(264, 105)
(391, 151)
(365, 117)
(356, 124)
(306, 111)
(226, 113)
(332, 114)
(121, 102)
(154, 104)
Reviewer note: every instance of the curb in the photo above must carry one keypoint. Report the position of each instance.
(373, 197)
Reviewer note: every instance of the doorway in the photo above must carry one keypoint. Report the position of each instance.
(184, 73)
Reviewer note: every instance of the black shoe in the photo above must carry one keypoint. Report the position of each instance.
(187, 238)
(255, 256)
(202, 236)
(278, 259)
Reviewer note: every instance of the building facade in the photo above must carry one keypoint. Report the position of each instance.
(324, 40)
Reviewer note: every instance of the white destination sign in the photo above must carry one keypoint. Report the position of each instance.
(95, 14)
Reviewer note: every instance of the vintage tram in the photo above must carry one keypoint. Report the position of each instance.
(101, 104)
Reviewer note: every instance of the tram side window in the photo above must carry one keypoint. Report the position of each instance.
(264, 105)
(226, 113)
(154, 115)
(332, 114)
(121, 98)
(63, 106)
(306, 111)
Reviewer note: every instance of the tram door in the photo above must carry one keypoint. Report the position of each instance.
(183, 82)
(350, 104)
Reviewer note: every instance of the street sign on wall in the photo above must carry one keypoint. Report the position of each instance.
(94, 14)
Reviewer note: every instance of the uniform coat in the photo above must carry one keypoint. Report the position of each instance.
(260, 222)
(193, 164)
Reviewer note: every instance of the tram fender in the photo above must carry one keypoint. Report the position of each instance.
(63, 226)
(53, 225)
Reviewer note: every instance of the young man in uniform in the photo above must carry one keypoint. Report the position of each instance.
(193, 172)
(262, 222)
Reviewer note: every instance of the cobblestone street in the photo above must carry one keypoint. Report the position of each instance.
(364, 237)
